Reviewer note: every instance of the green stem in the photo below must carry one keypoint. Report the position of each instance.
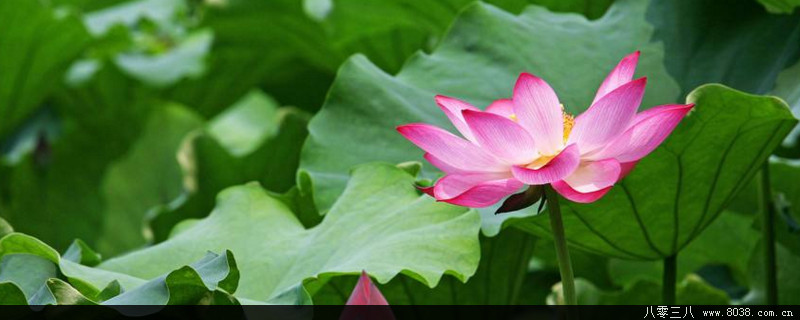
(768, 234)
(564, 263)
(670, 277)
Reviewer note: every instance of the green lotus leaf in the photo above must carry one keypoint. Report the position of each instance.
(80, 252)
(727, 243)
(253, 140)
(11, 294)
(380, 224)
(29, 272)
(56, 291)
(212, 279)
(705, 41)
(151, 163)
(30, 266)
(730, 256)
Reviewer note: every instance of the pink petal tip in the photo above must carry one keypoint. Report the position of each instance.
(366, 293)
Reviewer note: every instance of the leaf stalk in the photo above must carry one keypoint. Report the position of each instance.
(768, 235)
(562, 253)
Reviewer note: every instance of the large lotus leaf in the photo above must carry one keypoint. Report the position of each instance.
(380, 224)
(498, 280)
(733, 241)
(478, 61)
(147, 175)
(729, 255)
(678, 190)
(253, 140)
(719, 255)
(243, 127)
(736, 43)
(36, 47)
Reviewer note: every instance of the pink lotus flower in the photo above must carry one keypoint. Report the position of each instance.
(530, 140)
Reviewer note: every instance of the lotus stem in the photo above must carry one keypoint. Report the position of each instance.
(670, 277)
(768, 235)
(562, 253)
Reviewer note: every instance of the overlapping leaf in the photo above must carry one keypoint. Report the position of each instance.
(380, 224)
(147, 175)
(30, 267)
(253, 140)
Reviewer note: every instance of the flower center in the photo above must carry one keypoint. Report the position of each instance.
(541, 161)
(569, 122)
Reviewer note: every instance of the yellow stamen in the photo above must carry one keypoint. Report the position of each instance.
(540, 162)
(513, 117)
(569, 121)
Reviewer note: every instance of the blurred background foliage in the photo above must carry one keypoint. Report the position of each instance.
(122, 121)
